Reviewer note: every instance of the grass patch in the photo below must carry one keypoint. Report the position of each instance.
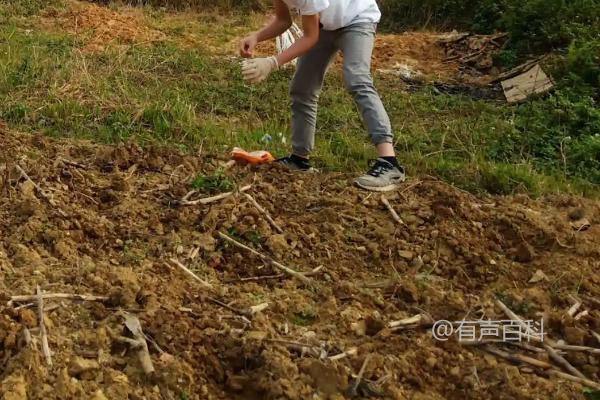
(217, 182)
(186, 96)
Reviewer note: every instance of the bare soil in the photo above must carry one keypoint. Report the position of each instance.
(107, 222)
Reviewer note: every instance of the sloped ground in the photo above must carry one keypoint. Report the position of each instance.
(114, 224)
(99, 27)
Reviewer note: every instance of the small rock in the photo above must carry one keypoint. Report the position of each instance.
(79, 365)
(524, 253)
(431, 362)
(538, 277)
(417, 262)
(99, 395)
(455, 371)
(407, 255)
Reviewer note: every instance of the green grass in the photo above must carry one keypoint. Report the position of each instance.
(187, 97)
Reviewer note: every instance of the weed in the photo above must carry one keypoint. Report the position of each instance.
(217, 182)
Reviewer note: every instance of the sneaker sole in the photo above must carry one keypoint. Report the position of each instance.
(387, 188)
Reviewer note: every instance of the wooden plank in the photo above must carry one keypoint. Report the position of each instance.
(521, 87)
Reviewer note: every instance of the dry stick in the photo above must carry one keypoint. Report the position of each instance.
(518, 358)
(208, 200)
(582, 314)
(350, 352)
(267, 259)
(510, 314)
(392, 211)
(415, 319)
(596, 335)
(361, 373)
(48, 296)
(583, 381)
(230, 308)
(569, 347)
(315, 271)
(563, 362)
(264, 212)
(191, 274)
(43, 334)
(573, 309)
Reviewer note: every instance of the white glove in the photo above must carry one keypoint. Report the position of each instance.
(257, 69)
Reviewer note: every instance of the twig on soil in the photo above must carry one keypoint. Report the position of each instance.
(43, 334)
(583, 381)
(591, 299)
(391, 209)
(517, 358)
(582, 314)
(415, 319)
(596, 335)
(568, 347)
(563, 362)
(264, 212)
(350, 352)
(514, 317)
(267, 259)
(191, 274)
(315, 271)
(138, 342)
(49, 296)
(354, 390)
(40, 190)
(573, 309)
(208, 200)
(245, 313)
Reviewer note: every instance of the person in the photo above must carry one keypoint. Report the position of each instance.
(328, 26)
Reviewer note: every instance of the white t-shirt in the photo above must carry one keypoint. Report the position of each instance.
(336, 14)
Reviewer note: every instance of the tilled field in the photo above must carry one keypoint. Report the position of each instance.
(108, 221)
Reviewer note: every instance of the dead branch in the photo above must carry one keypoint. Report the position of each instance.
(53, 296)
(315, 271)
(568, 347)
(573, 309)
(43, 334)
(563, 362)
(596, 335)
(583, 381)
(350, 352)
(245, 313)
(267, 259)
(264, 212)
(191, 274)
(395, 215)
(354, 389)
(517, 358)
(510, 314)
(582, 314)
(208, 200)
(415, 319)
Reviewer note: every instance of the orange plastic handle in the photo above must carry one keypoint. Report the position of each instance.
(255, 157)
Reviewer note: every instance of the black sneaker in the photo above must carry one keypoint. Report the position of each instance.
(383, 176)
(296, 163)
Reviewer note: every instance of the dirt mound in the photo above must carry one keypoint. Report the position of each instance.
(101, 26)
(106, 221)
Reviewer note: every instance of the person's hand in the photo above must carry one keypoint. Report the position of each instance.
(257, 69)
(247, 46)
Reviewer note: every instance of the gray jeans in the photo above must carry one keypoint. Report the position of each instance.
(356, 44)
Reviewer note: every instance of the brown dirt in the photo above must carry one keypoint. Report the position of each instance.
(115, 224)
(100, 26)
